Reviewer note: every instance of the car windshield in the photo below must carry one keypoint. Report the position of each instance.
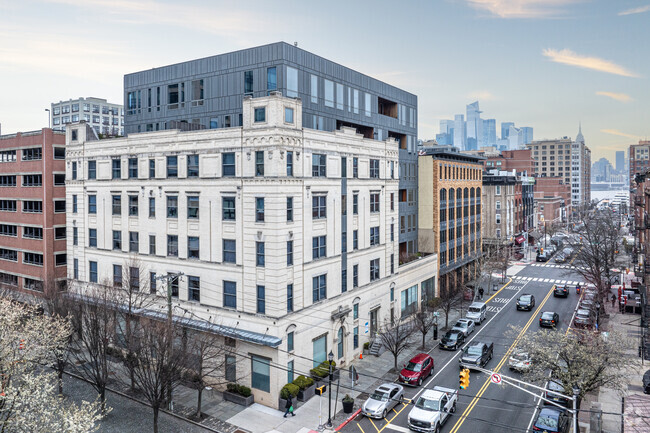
(412, 366)
(547, 316)
(525, 298)
(560, 287)
(426, 404)
(460, 325)
(474, 350)
(451, 335)
(474, 310)
(520, 356)
(379, 396)
(582, 313)
(546, 420)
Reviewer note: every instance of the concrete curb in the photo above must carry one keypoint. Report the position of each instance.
(350, 418)
(144, 403)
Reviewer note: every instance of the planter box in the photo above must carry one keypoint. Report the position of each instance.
(282, 402)
(308, 393)
(335, 377)
(236, 398)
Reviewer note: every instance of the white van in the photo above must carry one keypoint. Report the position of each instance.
(477, 312)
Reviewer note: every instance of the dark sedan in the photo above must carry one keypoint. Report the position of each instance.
(584, 318)
(551, 386)
(452, 340)
(526, 302)
(561, 290)
(549, 319)
(551, 420)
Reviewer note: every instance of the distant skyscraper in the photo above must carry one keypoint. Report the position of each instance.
(474, 126)
(490, 132)
(515, 138)
(460, 132)
(505, 129)
(527, 134)
(620, 161)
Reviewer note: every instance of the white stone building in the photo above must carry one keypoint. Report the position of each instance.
(103, 116)
(287, 237)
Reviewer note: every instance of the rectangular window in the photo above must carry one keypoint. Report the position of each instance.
(228, 165)
(319, 165)
(374, 236)
(193, 207)
(367, 105)
(261, 300)
(35, 153)
(8, 180)
(374, 202)
(193, 247)
(288, 115)
(172, 245)
(172, 206)
(28, 232)
(355, 239)
(392, 264)
(271, 79)
(32, 206)
(392, 232)
(12, 230)
(92, 270)
(319, 206)
(228, 204)
(409, 300)
(260, 114)
(356, 101)
(314, 89)
(117, 240)
(230, 294)
(116, 204)
(92, 170)
(37, 179)
(290, 372)
(289, 253)
(117, 275)
(329, 93)
(319, 288)
(8, 205)
(152, 245)
(344, 280)
(173, 284)
(231, 368)
(134, 278)
(374, 168)
(197, 90)
(59, 206)
(355, 167)
(292, 82)
(152, 283)
(6, 254)
(374, 269)
(259, 163)
(259, 209)
(355, 203)
(289, 298)
(74, 170)
(339, 96)
(172, 166)
(248, 82)
(229, 251)
(172, 95)
(116, 168)
(133, 205)
(152, 169)
(289, 208)
(290, 164)
(75, 271)
(289, 341)
(259, 254)
(392, 201)
(133, 168)
(92, 238)
(193, 288)
(152, 207)
(319, 247)
(261, 373)
(192, 165)
(59, 233)
(74, 203)
(134, 242)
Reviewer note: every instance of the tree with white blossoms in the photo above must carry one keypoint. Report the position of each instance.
(29, 402)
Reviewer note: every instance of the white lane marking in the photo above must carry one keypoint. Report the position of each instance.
(454, 358)
(547, 280)
(563, 282)
(397, 428)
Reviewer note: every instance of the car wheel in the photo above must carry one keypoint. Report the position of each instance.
(383, 414)
(453, 408)
(437, 430)
(401, 399)
(420, 382)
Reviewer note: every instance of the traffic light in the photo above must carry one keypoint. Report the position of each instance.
(321, 390)
(463, 378)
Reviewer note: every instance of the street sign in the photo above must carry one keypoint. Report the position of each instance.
(436, 314)
(367, 329)
(495, 378)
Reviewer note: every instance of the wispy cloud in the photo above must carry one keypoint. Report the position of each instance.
(522, 8)
(622, 97)
(481, 95)
(568, 57)
(638, 10)
(620, 134)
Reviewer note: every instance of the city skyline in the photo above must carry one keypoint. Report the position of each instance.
(531, 72)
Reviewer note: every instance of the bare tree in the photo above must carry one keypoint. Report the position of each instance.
(155, 366)
(206, 355)
(96, 310)
(423, 321)
(449, 299)
(58, 306)
(580, 358)
(396, 337)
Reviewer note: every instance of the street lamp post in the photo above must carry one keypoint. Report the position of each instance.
(330, 358)
(576, 393)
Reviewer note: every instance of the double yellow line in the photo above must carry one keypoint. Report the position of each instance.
(475, 400)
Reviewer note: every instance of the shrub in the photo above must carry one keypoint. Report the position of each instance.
(303, 382)
(366, 345)
(242, 390)
(287, 389)
(323, 369)
(348, 399)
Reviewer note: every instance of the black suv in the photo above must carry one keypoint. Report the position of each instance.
(452, 340)
(526, 302)
(561, 290)
(476, 354)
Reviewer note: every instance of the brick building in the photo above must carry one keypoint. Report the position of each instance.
(498, 216)
(450, 212)
(520, 160)
(639, 159)
(32, 209)
(553, 199)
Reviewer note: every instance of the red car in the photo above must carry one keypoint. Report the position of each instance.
(417, 369)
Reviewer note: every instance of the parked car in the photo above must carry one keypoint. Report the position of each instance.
(526, 302)
(561, 290)
(556, 386)
(519, 361)
(386, 397)
(646, 382)
(543, 256)
(551, 420)
(549, 319)
(477, 353)
(584, 318)
(452, 339)
(560, 258)
(417, 369)
(466, 326)
(432, 409)
(477, 312)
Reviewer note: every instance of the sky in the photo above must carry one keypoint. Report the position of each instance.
(549, 64)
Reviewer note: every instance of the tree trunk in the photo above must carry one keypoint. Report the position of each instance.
(131, 373)
(198, 403)
(424, 334)
(102, 399)
(395, 359)
(155, 419)
(60, 374)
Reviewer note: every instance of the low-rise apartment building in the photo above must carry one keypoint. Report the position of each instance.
(288, 235)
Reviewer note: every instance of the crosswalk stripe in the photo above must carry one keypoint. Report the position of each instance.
(547, 280)
(563, 282)
(397, 428)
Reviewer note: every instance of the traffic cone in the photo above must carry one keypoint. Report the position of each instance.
(361, 355)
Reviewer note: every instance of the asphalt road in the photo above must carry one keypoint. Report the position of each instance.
(485, 406)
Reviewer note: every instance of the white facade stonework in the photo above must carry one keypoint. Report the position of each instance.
(262, 326)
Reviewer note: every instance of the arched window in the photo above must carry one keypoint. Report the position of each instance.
(443, 194)
(339, 337)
